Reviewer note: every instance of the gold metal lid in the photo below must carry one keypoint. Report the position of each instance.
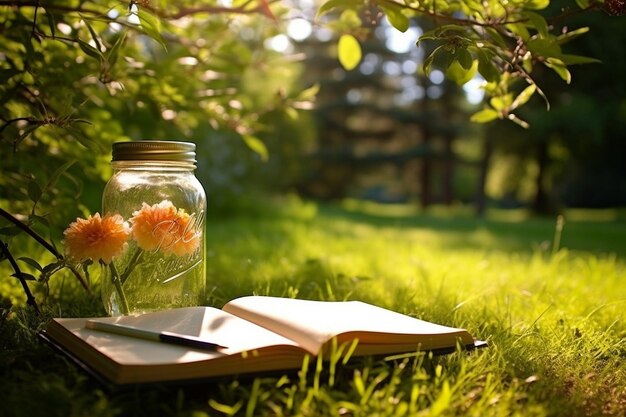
(154, 150)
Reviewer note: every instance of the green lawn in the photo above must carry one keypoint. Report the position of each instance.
(553, 316)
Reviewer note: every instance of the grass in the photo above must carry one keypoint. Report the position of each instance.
(553, 317)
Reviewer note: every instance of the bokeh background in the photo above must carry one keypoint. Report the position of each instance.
(273, 112)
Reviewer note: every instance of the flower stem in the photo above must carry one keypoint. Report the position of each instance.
(115, 278)
(131, 265)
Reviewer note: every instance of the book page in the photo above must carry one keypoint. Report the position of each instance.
(208, 323)
(313, 323)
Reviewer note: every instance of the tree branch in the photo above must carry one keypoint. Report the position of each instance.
(36, 4)
(31, 233)
(30, 299)
(32, 32)
(569, 13)
(7, 123)
(183, 12)
(451, 19)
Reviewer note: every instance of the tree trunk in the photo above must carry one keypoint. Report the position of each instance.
(448, 170)
(481, 197)
(541, 203)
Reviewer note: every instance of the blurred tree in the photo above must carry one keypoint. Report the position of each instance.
(385, 129)
(572, 154)
(506, 43)
(510, 45)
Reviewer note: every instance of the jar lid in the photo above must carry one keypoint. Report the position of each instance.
(154, 150)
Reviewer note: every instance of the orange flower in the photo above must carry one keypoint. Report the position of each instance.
(97, 238)
(163, 227)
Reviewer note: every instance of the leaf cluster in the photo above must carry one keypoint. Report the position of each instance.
(504, 44)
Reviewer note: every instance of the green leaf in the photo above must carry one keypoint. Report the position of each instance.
(544, 47)
(94, 35)
(577, 59)
(25, 276)
(583, 4)
(570, 36)
(496, 37)
(114, 52)
(443, 32)
(34, 191)
(83, 139)
(50, 270)
(51, 23)
(28, 45)
(396, 18)
(443, 57)
(524, 96)
(151, 26)
(90, 50)
(350, 19)
(349, 52)
(10, 231)
(428, 61)
(460, 75)
(502, 102)
(519, 29)
(41, 220)
(486, 66)
(257, 146)
(310, 93)
(292, 113)
(57, 174)
(77, 184)
(538, 22)
(31, 262)
(537, 4)
(332, 4)
(485, 115)
(464, 58)
(560, 68)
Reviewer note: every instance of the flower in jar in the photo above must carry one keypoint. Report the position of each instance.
(96, 238)
(165, 228)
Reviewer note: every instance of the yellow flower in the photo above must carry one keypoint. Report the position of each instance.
(163, 227)
(97, 238)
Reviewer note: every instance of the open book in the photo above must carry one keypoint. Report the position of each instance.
(258, 334)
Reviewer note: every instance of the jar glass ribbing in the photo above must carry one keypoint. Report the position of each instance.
(154, 189)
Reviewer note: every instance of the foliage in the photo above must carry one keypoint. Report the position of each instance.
(578, 142)
(551, 315)
(93, 73)
(504, 43)
(77, 76)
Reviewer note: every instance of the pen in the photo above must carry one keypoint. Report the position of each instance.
(165, 337)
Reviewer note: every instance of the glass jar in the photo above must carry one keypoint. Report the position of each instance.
(154, 189)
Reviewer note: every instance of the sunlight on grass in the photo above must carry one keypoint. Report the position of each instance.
(554, 321)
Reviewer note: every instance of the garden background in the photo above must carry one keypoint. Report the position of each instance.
(341, 161)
